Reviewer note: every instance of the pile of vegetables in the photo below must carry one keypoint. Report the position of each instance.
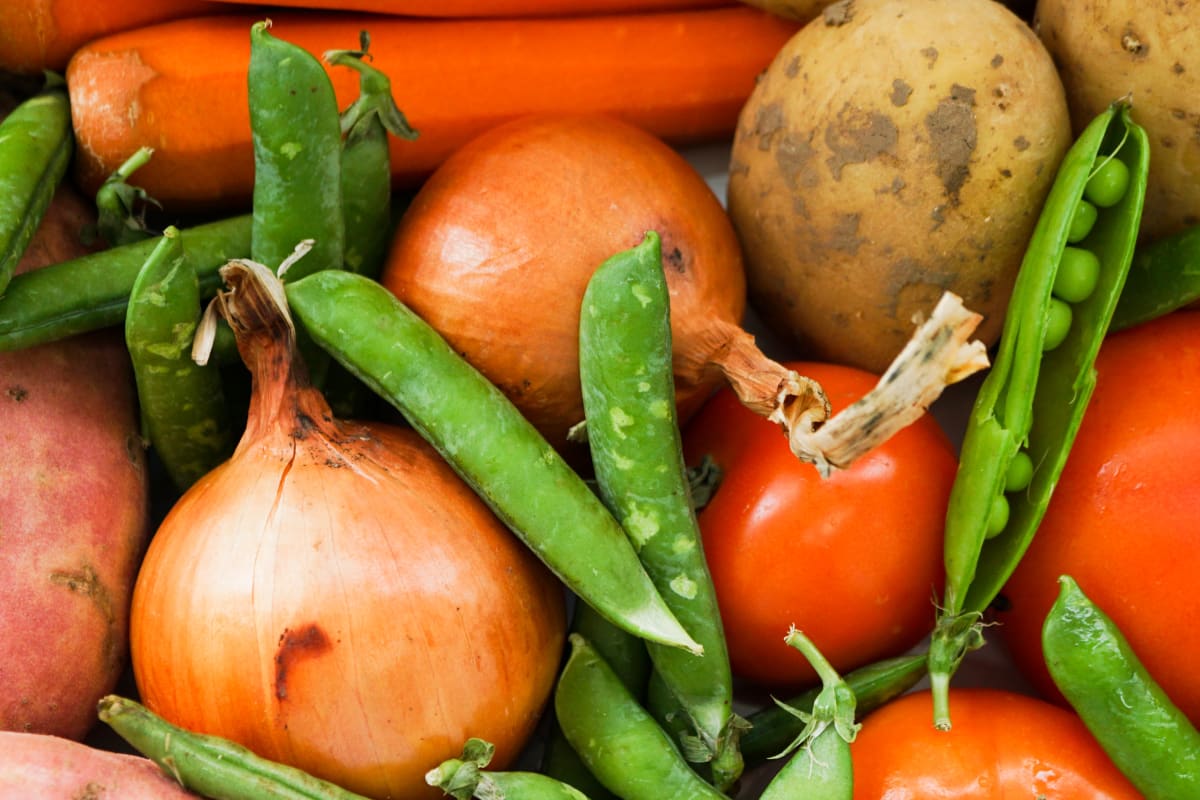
(387, 412)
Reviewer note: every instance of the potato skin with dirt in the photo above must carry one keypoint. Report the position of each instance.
(893, 149)
(73, 515)
(1150, 51)
(47, 767)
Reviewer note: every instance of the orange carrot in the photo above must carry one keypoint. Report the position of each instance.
(180, 87)
(478, 9)
(42, 34)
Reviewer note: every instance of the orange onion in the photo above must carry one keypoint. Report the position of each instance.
(334, 596)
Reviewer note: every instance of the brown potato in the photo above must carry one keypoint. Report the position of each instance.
(1109, 49)
(893, 150)
(73, 513)
(45, 767)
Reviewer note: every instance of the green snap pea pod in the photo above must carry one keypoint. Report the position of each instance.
(464, 778)
(616, 737)
(627, 656)
(366, 159)
(35, 147)
(488, 441)
(184, 416)
(1141, 729)
(1164, 276)
(772, 727)
(121, 207)
(297, 138)
(210, 765)
(821, 769)
(629, 403)
(1031, 402)
(92, 292)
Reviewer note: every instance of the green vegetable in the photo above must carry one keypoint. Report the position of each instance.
(464, 778)
(121, 207)
(1164, 276)
(1035, 394)
(1145, 734)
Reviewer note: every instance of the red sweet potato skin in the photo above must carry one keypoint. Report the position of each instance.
(73, 513)
(51, 768)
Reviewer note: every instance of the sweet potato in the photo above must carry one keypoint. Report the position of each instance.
(73, 513)
(46, 767)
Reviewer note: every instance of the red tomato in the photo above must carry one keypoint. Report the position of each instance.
(854, 560)
(1002, 745)
(1124, 520)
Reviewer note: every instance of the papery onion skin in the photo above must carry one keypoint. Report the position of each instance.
(497, 247)
(336, 598)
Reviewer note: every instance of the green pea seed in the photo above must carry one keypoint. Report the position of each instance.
(998, 516)
(1020, 472)
(1107, 185)
(1083, 222)
(1077, 276)
(1058, 323)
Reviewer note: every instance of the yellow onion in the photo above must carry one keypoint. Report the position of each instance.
(334, 596)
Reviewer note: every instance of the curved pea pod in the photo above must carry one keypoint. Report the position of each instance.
(1032, 401)
(35, 147)
(464, 778)
(1143, 732)
(616, 737)
(489, 442)
(632, 431)
(1164, 276)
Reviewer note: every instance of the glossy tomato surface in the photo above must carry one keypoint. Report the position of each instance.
(1124, 520)
(1003, 746)
(853, 560)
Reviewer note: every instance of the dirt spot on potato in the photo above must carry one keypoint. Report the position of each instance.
(931, 55)
(92, 791)
(767, 122)
(17, 393)
(1133, 44)
(838, 14)
(858, 136)
(996, 61)
(901, 91)
(953, 136)
(843, 234)
(795, 159)
(307, 641)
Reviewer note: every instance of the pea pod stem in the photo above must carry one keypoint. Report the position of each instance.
(625, 363)
(616, 737)
(1096, 669)
(489, 442)
(1032, 401)
(121, 207)
(209, 765)
(465, 777)
(182, 404)
(36, 144)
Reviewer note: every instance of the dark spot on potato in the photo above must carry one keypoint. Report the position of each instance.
(17, 393)
(1021, 143)
(1178, 113)
(901, 91)
(858, 136)
(86, 582)
(1134, 44)
(953, 136)
(997, 60)
(795, 159)
(767, 122)
(92, 791)
(931, 54)
(938, 215)
(1177, 68)
(793, 68)
(843, 235)
(1005, 172)
(838, 14)
(307, 641)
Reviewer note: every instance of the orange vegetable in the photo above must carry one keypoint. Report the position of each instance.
(42, 34)
(491, 8)
(180, 87)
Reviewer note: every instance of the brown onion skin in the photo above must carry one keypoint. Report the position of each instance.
(496, 250)
(73, 511)
(366, 653)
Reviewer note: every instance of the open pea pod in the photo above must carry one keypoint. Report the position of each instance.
(1032, 401)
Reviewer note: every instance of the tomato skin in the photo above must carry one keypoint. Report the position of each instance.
(1003, 745)
(854, 560)
(1124, 520)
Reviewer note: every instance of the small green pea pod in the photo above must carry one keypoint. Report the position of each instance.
(294, 122)
(627, 656)
(489, 442)
(209, 765)
(1143, 732)
(366, 159)
(1164, 276)
(464, 778)
(121, 207)
(184, 416)
(629, 401)
(35, 147)
(820, 767)
(616, 737)
(92, 292)
(772, 727)
(1032, 401)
